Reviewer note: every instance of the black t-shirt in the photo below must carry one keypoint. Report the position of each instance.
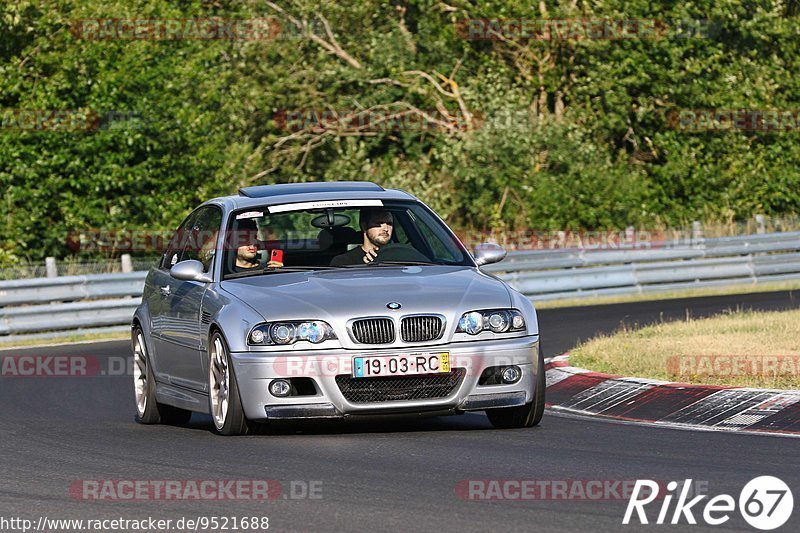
(352, 257)
(237, 268)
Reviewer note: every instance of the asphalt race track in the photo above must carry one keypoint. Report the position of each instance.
(396, 475)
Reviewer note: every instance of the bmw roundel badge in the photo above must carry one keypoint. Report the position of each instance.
(393, 305)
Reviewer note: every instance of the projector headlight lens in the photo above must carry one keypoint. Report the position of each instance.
(499, 322)
(471, 323)
(316, 331)
(283, 333)
(495, 320)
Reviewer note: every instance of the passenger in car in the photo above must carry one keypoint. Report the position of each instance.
(208, 251)
(247, 251)
(377, 225)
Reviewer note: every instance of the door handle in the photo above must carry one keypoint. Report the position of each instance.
(165, 290)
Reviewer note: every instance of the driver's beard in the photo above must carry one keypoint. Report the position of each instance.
(379, 244)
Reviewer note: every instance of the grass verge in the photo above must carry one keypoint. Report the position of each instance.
(70, 339)
(743, 349)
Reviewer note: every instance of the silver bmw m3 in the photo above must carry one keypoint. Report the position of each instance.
(330, 300)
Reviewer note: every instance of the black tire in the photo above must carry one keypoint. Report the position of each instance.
(154, 412)
(143, 377)
(235, 421)
(527, 415)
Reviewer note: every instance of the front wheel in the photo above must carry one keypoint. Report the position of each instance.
(148, 411)
(144, 384)
(527, 415)
(224, 402)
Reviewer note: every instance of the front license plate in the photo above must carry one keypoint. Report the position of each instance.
(401, 365)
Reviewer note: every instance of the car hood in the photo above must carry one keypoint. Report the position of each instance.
(336, 295)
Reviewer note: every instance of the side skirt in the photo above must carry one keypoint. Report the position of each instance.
(182, 398)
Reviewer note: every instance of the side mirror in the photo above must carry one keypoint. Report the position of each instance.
(488, 253)
(190, 270)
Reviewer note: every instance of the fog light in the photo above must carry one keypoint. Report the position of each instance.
(280, 388)
(511, 374)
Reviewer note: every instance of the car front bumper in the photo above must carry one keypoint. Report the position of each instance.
(255, 371)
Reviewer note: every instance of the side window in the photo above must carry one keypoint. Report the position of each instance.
(172, 254)
(399, 230)
(196, 238)
(433, 234)
(201, 241)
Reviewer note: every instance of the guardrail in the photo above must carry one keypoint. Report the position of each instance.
(69, 302)
(90, 301)
(561, 274)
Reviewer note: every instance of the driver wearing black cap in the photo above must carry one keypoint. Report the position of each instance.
(377, 225)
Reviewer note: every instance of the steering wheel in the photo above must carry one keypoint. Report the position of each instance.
(400, 252)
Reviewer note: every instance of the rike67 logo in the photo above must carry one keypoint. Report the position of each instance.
(765, 503)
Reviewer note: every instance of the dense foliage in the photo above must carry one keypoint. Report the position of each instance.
(569, 133)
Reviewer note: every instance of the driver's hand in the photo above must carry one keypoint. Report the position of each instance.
(371, 255)
(274, 264)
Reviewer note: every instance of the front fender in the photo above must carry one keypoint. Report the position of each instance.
(142, 317)
(525, 305)
(233, 317)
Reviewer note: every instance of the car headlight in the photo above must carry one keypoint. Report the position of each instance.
(283, 333)
(496, 320)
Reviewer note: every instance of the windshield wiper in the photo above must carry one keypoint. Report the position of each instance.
(276, 270)
(352, 266)
(388, 263)
(404, 263)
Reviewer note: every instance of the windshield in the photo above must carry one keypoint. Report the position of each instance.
(385, 233)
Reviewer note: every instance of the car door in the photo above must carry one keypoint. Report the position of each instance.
(180, 341)
(159, 286)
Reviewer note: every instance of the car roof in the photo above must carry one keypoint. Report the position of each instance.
(266, 191)
(287, 193)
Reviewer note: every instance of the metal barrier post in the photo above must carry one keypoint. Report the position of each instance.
(50, 267)
(697, 233)
(127, 265)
